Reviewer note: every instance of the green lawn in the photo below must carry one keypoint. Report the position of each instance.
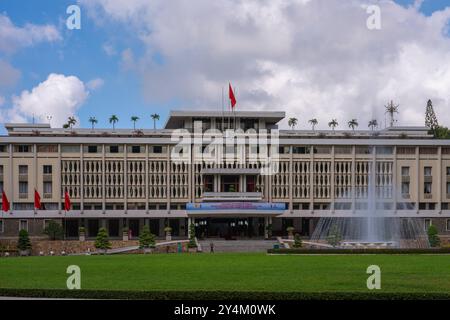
(232, 272)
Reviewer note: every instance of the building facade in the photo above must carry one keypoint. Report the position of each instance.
(122, 179)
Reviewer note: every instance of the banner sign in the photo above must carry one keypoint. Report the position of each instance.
(236, 206)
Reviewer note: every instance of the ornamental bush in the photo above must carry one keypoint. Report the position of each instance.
(102, 241)
(54, 230)
(433, 237)
(297, 241)
(146, 238)
(24, 242)
(192, 243)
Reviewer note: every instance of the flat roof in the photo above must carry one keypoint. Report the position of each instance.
(176, 117)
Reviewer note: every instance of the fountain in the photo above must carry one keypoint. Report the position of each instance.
(372, 225)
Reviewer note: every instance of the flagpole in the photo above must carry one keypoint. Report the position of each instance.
(223, 114)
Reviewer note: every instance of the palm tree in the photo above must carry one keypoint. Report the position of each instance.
(93, 121)
(113, 119)
(71, 121)
(134, 119)
(155, 117)
(353, 124)
(333, 124)
(292, 122)
(373, 124)
(391, 109)
(313, 123)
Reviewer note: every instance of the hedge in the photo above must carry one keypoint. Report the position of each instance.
(360, 251)
(217, 295)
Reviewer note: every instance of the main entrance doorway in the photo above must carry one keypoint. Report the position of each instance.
(229, 228)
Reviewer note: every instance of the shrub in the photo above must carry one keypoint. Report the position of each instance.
(297, 241)
(334, 236)
(146, 238)
(192, 243)
(167, 229)
(81, 230)
(433, 237)
(54, 230)
(24, 242)
(102, 241)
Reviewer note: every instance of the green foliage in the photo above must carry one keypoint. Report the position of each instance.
(167, 229)
(433, 237)
(102, 241)
(82, 230)
(146, 238)
(297, 241)
(192, 243)
(54, 230)
(24, 242)
(441, 133)
(334, 236)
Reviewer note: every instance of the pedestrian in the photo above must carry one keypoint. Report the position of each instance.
(211, 246)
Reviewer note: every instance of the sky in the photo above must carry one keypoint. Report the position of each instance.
(310, 58)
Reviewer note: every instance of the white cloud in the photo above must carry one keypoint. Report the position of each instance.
(13, 37)
(95, 84)
(8, 74)
(2, 100)
(109, 49)
(312, 58)
(59, 96)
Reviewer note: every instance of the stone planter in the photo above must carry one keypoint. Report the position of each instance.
(192, 250)
(168, 236)
(291, 236)
(82, 236)
(125, 236)
(148, 250)
(24, 253)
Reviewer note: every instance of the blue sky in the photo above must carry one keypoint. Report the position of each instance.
(81, 53)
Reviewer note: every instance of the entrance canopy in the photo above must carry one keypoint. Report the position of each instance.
(255, 209)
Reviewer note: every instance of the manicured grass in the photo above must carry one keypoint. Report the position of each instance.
(231, 272)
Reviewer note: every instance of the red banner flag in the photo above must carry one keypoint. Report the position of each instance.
(5, 202)
(231, 96)
(66, 201)
(37, 200)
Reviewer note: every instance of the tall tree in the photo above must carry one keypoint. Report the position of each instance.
(373, 124)
(333, 124)
(134, 119)
(353, 124)
(113, 119)
(93, 122)
(430, 117)
(155, 117)
(292, 122)
(391, 109)
(313, 123)
(71, 121)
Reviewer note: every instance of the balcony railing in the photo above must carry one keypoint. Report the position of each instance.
(232, 196)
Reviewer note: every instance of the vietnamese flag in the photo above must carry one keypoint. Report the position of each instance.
(231, 96)
(66, 201)
(37, 200)
(5, 202)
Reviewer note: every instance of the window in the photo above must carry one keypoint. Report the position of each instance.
(427, 171)
(208, 183)
(1, 169)
(23, 225)
(70, 149)
(230, 183)
(427, 224)
(22, 148)
(385, 150)
(23, 170)
(2, 227)
(428, 150)
(47, 169)
(427, 188)
(92, 149)
(363, 150)
(343, 150)
(405, 171)
(157, 149)
(301, 150)
(135, 149)
(2, 148)
(405, 188)
(406, 150)
(251, 183)
(322, 150)
(48, 188)
(113, 149)
(448, 187)
(23, 188)
(50, 148)
(447, 225)
(1, 186)
(448, 171)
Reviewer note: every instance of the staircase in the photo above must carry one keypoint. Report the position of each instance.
(237, 245)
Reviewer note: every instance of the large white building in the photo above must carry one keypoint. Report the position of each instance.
(123, 179)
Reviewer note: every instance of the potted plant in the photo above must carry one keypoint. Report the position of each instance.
(147, 240)
(102, 242)
(290, 231)
(168, 231)
(125, 235)
(24, 243)
(297, 241)
(192, 244)
(82, 234)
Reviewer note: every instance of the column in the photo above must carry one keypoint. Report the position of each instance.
(81, 178)
(395, 185)
(418, 179)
